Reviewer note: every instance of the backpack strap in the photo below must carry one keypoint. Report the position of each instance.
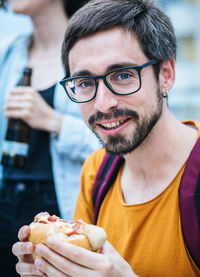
(189, 202)
(104, 179)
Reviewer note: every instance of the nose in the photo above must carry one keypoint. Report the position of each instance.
(105, 100)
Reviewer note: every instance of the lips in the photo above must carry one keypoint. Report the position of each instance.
(112, 125)
(113, 122)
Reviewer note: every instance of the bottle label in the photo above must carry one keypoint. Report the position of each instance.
(15, 148)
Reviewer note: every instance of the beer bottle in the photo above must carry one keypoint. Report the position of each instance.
(16, 143)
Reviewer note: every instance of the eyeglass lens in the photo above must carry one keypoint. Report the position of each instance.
(122, 81)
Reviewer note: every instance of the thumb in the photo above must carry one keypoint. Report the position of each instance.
(24, 233)
(108, 248)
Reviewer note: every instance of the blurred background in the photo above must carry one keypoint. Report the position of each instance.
(184, 98)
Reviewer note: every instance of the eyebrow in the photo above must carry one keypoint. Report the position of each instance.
(119, 65)
(109, 68)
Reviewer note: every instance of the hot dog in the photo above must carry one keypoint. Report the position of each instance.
(79, 233)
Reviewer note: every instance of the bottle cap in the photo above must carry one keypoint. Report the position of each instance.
(27, 70)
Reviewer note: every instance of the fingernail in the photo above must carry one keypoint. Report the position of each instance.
(38, 248)
(49, 240)
(38, 262)
(29, 248)
(24, 231)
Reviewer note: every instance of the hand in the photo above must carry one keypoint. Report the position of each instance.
(23, 251)
(64, 259)
(27, 104)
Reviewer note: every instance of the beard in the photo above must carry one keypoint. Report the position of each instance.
(118, 144)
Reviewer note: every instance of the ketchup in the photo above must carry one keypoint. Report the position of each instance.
(74, 232)
(52, 218)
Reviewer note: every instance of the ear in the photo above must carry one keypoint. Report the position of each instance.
(167, 75)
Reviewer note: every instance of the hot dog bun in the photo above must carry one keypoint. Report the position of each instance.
(79, 233)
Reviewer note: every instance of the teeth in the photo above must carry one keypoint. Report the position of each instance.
(112, 125)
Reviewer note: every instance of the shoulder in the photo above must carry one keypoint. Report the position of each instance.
(4, 43)
(94, 160)
(5, 46)
(12, 43)
(84, 207)
(13, 40)
(193, 123)
(90, 169)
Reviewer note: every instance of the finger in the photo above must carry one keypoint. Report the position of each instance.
(24, 233)
(21, 113)
(20, 249)
(33, 275)
(24, 113)
(26, 269)
(19, 90)
(44, 275)
(20, 106)
(76, 254)
(56, 265)
(17, 96)
(23, 247)
(108, 249)
(42, 265)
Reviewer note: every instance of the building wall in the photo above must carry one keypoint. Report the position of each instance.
(184, 98)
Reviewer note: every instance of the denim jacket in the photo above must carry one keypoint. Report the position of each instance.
(75, 142)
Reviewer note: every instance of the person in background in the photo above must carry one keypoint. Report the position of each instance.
(60, 141)
(119, 59)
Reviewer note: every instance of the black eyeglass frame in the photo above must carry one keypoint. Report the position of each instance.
(138, 68)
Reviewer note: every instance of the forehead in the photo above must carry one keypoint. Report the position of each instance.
(98, 51)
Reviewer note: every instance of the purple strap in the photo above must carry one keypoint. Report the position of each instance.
(189, 219)
(105, 184)
(99, 174)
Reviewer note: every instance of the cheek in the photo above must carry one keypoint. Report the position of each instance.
(146, 97)
(136, 101)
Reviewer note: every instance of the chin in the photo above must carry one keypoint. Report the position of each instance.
(18, 10)
(20, 7)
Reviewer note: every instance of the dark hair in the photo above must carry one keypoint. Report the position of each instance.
(70, 6)
(3, 4)
(150, 24)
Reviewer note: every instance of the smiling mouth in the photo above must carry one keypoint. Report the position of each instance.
(113, 125)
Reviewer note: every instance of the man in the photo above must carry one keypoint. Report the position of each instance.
(119, 58)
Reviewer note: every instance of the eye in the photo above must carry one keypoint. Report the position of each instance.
(123, 75)
(84, 83)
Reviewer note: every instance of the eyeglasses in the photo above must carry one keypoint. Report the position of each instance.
(121, 81)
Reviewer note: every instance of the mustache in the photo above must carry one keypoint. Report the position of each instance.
(113, 114)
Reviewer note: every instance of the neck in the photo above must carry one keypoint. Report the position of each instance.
(169, 144)
(150, 168)
(44, 50)
(49, 29)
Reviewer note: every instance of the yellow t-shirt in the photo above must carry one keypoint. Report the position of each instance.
(148, 235)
